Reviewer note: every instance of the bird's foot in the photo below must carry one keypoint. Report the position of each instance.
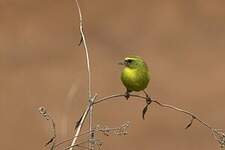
(127, 95)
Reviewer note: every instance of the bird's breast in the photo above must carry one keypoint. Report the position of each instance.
(135, 79)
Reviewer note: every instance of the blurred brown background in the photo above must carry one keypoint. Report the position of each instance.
(182, 41)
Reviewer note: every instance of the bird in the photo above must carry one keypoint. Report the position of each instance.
(135, 75)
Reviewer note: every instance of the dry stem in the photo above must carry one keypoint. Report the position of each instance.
(83, 40)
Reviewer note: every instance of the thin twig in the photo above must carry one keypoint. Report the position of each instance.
(183, 111)
(62, 142)
(108, 97)
(48, 117)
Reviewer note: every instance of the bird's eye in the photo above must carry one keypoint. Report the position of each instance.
(129, 60)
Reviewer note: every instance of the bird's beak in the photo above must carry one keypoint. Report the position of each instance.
(121, 63)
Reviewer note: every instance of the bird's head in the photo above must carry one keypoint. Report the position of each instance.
(133, 62)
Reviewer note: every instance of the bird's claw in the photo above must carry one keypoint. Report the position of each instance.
(127, 95)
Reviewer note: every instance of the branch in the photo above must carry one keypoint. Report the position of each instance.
(157, 102)
(219, 135)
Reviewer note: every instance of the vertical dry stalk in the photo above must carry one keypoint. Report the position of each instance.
(83, 39)
(90, 98)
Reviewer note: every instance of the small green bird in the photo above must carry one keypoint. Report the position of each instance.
(135, 75)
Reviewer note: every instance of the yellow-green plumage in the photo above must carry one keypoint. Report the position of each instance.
(135, 75)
